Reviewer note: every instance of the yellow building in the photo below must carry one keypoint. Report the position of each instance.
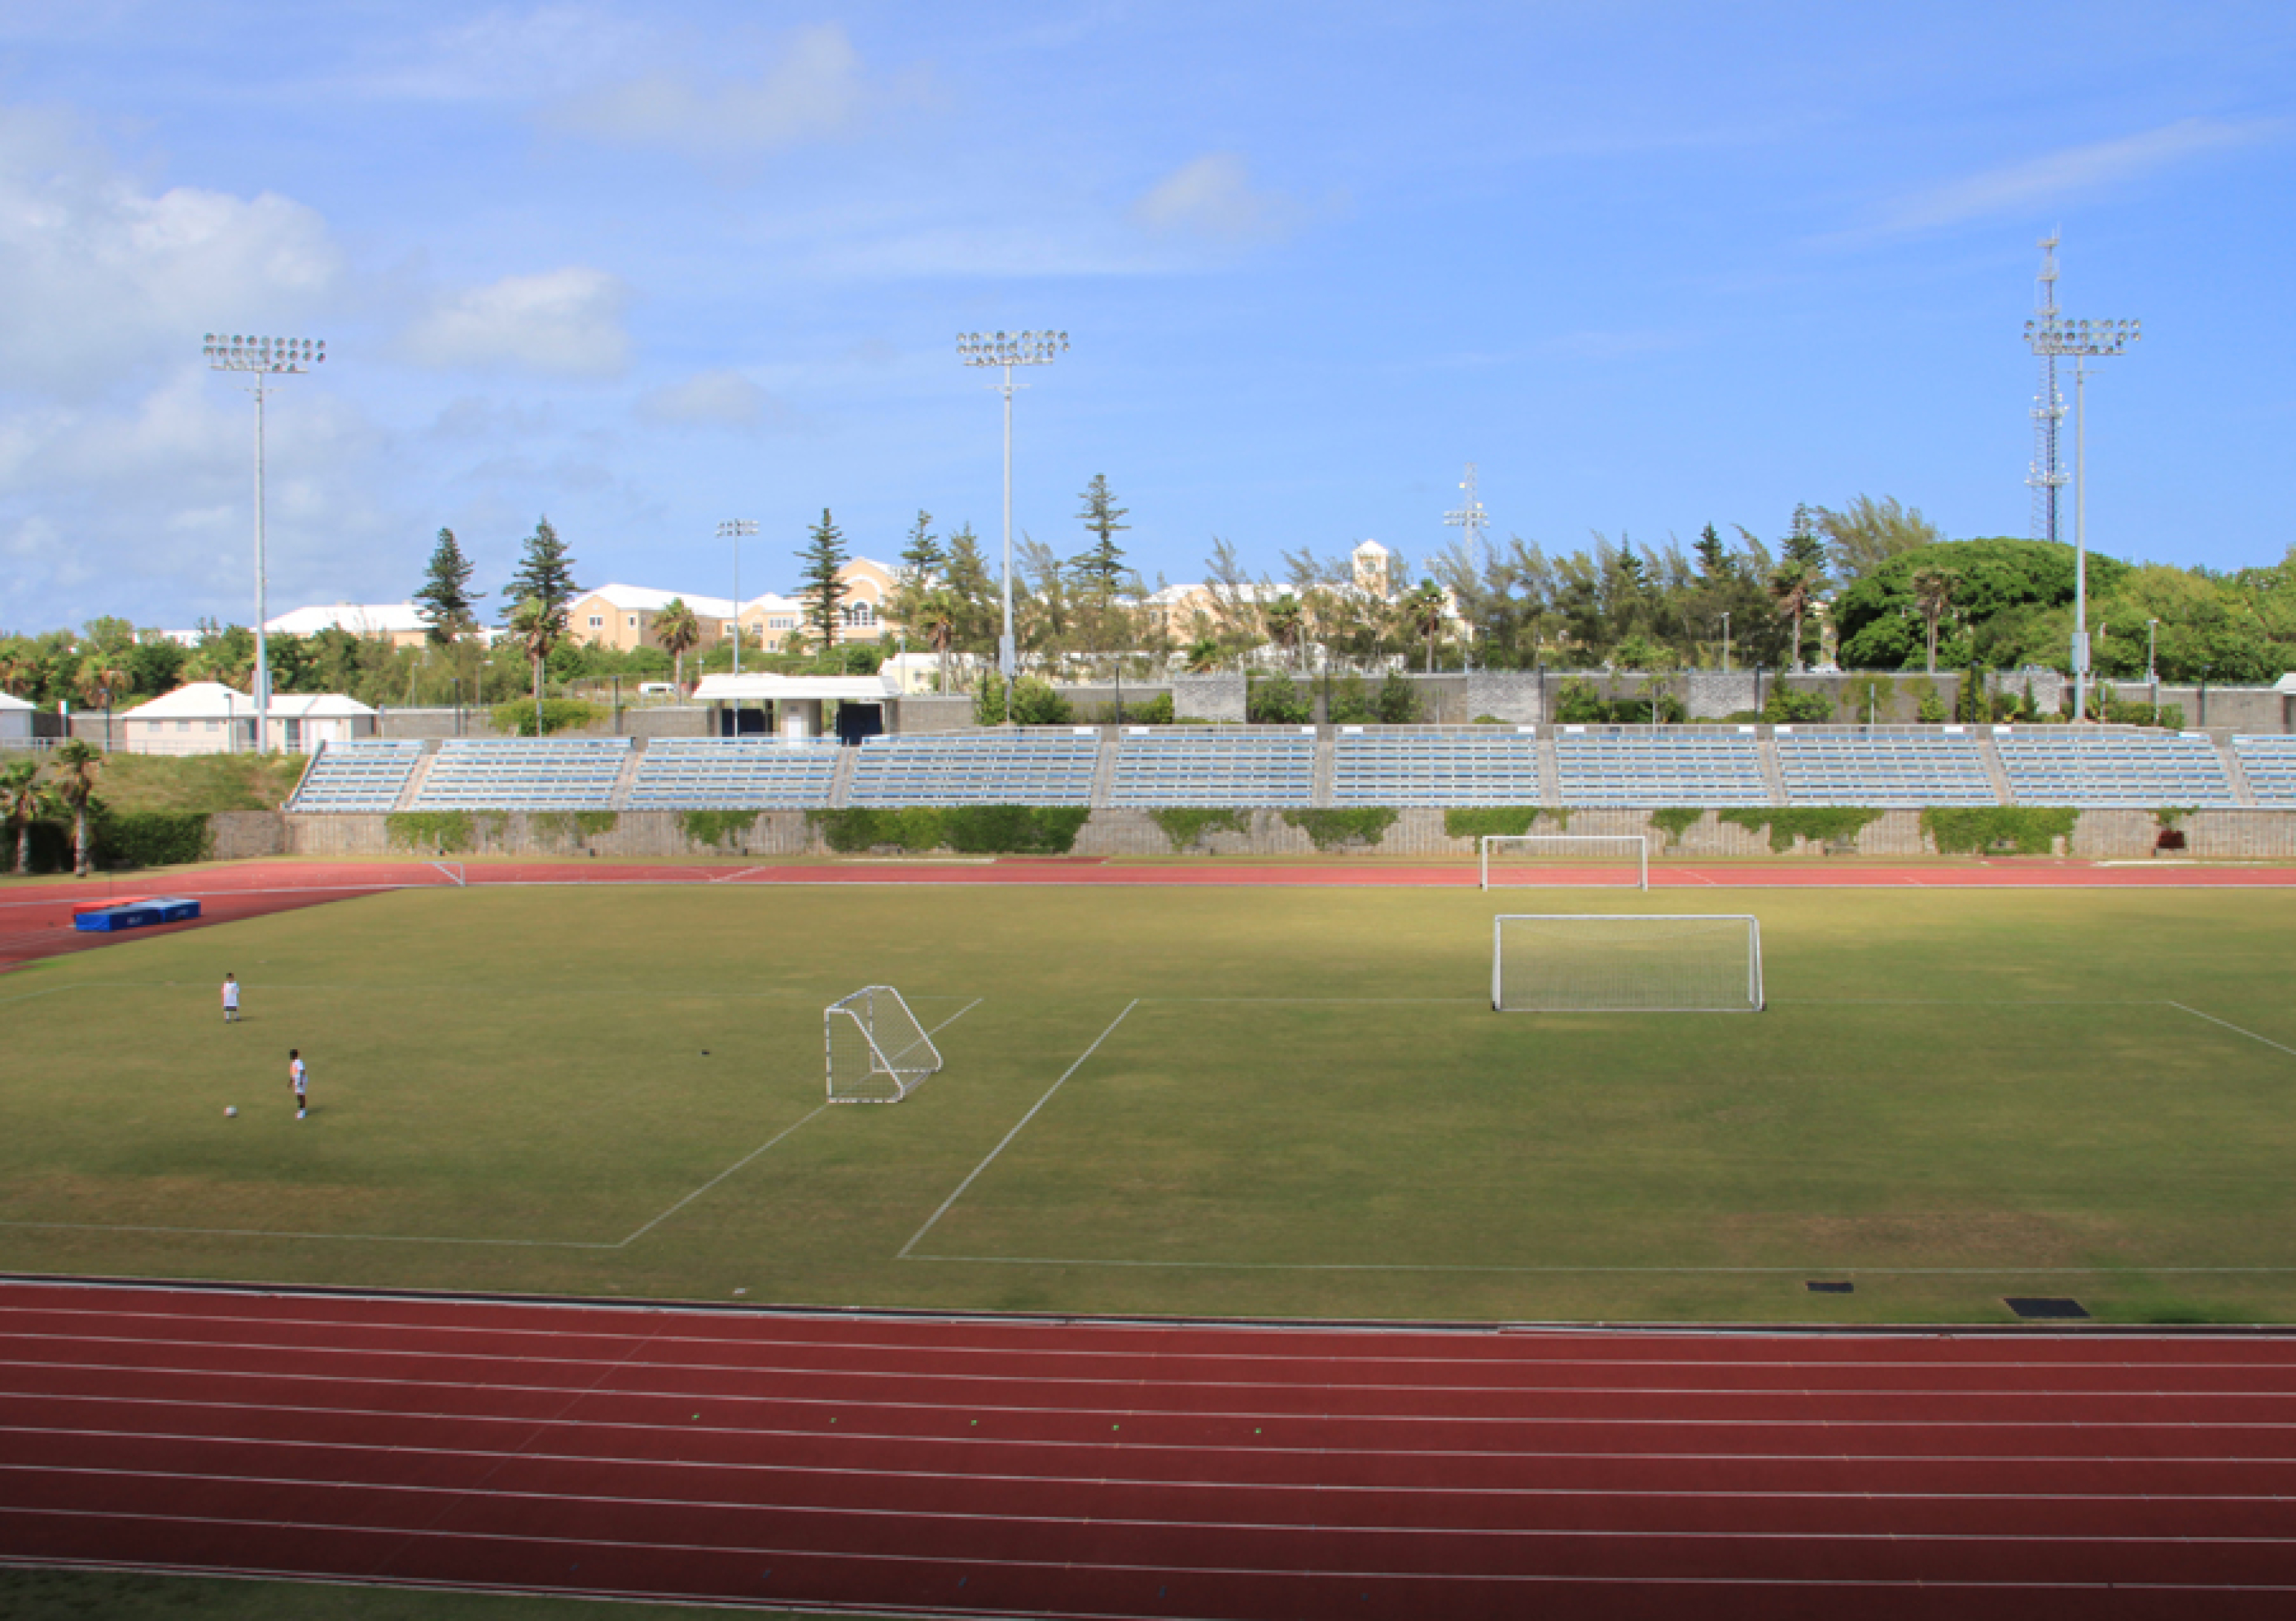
(623, 616)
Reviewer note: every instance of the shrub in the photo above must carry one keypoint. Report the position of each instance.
(1351, 704)
(1332, 829)
(1156, 712)
(2007, 829)
(1036, 704)
(988, 700)
(1500, 821)
(1397, 703)
(438, 831)
(570, 827)
(1675, 820)
(1790, 709)
(147, 838)
(558, 715)
(1277, 701)
(1185, 826)
(1820, 824)
(973, 829)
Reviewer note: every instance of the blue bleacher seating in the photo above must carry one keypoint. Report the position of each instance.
(682, 773)
(1025, 765)
(2269, 763)
(523, 773)
(1435, 765)
(1661, 766)
(1268, 766)
(367, 775)
(1885, 767)
(2134, 770)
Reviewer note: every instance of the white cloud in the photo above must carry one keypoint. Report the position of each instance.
(726, 399)
(564, 322)
(1213, 197)
(506, 54)
(2059, 176)
(817, 91)
(100, 275)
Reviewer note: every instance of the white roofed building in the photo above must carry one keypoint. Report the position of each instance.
(208, 718)
(623, 616)
(15, 720)
(399, 623)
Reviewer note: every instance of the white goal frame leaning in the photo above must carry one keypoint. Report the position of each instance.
(1613, 841)
(885, 1052)
(1752, 1002)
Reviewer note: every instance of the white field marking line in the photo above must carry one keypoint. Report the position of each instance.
(1830, 1459)
(727, 878)
(1881, 1538)
(2235, 1029)
(1829, 1269)
(391, 1237)
(1308, 1489)
(1000, 1148)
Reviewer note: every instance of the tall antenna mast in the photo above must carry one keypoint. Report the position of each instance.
(2047, 473)
(1471, 518)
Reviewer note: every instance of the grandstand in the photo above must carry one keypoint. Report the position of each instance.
(1282, 767)
(1435, 765)
(1661, 766)
(1272, 767)
(1885, 767)
(2109, 769)
(1024, 765)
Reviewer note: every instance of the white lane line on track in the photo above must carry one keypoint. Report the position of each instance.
(1118, 1388)
(974, 1174)
(1821, 1269)
(1880, 1539)
(1321, 1450)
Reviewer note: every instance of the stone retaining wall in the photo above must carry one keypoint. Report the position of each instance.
(2098, 834)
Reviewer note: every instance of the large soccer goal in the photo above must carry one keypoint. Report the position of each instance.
(878, 1052)
(1665, 964)
(1530, 861)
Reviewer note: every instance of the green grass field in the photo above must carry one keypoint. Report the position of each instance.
(1276, 1102)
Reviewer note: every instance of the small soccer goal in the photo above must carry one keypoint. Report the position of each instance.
(878, 1052)
(1625, 964)
(1557, 861)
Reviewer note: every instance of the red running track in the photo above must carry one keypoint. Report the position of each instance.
(1020, 1467)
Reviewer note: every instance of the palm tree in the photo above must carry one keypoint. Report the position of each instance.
(1792, 585)
(535, 624)
(679, 632)
(1202, 657)
(1423, 610)
(1933, 590)
(22, 798)
(1286, 620)
(933, 615)
(96, 683)
(76, 764)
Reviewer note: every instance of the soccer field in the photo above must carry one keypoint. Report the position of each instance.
(1277, 1102)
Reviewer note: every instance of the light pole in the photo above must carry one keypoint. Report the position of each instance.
(2081, 339)
(266, 357)
(1007, 350)
(733, 529)
(2152, 669)
(1726, 642)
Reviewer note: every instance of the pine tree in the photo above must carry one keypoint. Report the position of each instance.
(545, 573)
(824, 588)
(974, 591)
(1100, 568)
(1806, 546)
(446, 601)
(924, 557)
(1714, 558)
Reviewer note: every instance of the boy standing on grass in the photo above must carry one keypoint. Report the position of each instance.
(299, 1078)
(231, 999)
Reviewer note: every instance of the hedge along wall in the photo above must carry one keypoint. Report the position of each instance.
(1694, 833)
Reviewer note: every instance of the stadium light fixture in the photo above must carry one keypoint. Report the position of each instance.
(1007, 350)
(264, 358)
(733, 529)
(2083, 340)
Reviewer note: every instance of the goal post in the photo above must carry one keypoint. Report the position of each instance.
(1530, 861)
(877, 1052)
(1626, 963)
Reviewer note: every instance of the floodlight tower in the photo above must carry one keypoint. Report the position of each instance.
(2047, 474)
(733, 529)
(1009, 350)
(2081, 339)
(1470, 519)
(264, 358)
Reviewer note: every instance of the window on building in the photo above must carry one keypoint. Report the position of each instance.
(634, 621)
(861, 613)
(596, 621)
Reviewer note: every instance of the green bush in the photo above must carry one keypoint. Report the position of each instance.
(1036, 704)
(1155, 711)
(1500, 821)
(971, 828)
(1819, 824)
(1788, 708)
(1276, 700)
(438, 831)
(1185, 826)
(1578, 703)
(1397, 703)
(1349, 703)
(148, 839)
(2007, 829)
(1675, 820)
(717, 828)
(988, 700)
(1333, 830)
(570, 827)
(558, 715)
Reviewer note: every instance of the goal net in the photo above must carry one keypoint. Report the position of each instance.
(1517, 861)
(878, 1052)
(1626, 964)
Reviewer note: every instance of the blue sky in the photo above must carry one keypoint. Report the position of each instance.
(646, 268)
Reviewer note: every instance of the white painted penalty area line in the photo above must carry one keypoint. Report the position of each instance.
(945, 1204)
(2235, 1029)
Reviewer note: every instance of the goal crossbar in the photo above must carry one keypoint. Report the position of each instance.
(877, 1052)
(1499, 873)
(1626, 962)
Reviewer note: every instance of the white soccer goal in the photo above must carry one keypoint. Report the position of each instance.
(1666, 965)
(878, 1052)
(1530, 861)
